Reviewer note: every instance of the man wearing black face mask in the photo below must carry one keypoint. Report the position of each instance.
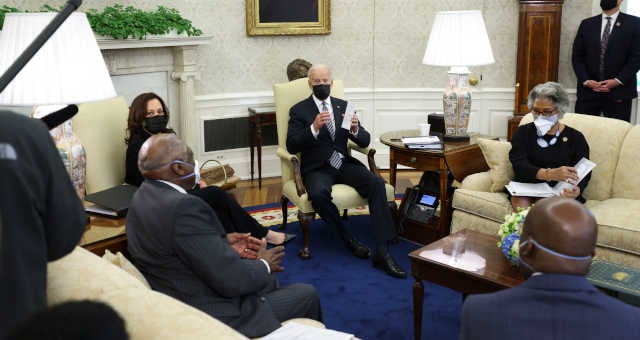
(556, 302)
(606, 58)
(182, 249)
(315, 132)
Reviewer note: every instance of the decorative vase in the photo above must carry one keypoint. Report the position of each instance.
(450, 105)
(464, 105)
(73, 155)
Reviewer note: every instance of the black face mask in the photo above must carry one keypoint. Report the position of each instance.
(608, 4)
(155, 124)
(321, 91)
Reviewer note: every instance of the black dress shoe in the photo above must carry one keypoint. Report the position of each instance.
(358, 249)
(389, 265)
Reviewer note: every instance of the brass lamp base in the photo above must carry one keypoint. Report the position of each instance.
(456, 138)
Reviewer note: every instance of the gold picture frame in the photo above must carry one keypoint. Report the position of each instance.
(287, 18)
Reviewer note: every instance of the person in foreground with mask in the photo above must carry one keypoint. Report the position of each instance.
(546, 150)
(148, 115)
(315, 132)
(179, 245)
(556, 301)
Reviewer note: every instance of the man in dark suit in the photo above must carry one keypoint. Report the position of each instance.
(179, 245)
(315, 132)
(41, 216)
(556, 301)
(606, 58)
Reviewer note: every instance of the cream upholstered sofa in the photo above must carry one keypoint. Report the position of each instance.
(613, 193)
(148, 314)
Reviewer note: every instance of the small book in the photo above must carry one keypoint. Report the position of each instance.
(111, 202)
(583, 167)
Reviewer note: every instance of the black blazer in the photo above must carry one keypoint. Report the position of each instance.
(622, 59)
(181, 248)
(315, 153)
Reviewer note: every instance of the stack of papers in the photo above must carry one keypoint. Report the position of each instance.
(298, 331)
(583, 167)
(426, 142)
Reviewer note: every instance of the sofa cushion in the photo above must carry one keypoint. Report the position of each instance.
(490, 205)
(618, 226)
(496, 154)
(626, 182)
(148, 314)
(605, 137)
(121, 262)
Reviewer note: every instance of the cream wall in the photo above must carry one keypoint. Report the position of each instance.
(373, 44)
(376, 47)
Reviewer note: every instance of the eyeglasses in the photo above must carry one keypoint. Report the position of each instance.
(321, 81)
(544, 113)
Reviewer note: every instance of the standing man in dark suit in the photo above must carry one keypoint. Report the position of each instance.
(179, 245)
(606, 58)
(557, 301)
(315, 132)
(41, 216)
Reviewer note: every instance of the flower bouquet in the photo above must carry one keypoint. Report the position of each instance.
(509, 233)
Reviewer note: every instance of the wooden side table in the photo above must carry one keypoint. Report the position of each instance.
(259, 117)
(458, 157)
(104, 233)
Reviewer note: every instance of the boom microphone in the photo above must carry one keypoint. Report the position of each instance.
(56, 118)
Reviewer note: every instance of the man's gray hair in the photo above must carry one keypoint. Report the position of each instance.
(318, 66)
(552, 91)
(172, 148)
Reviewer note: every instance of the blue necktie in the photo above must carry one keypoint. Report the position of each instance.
(336, 159)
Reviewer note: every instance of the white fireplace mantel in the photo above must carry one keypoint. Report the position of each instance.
(168, 63)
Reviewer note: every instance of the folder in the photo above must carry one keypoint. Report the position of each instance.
(111, 202)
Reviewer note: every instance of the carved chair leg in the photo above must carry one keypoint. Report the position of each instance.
(345, 216)
(284, 202)
(305, 219)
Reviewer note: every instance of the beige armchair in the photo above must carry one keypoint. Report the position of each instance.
(101, 128)
(344, 197)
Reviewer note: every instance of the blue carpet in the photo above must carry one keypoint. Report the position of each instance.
(359, 299)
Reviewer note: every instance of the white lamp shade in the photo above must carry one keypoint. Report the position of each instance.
(458, 38)
(68, 69)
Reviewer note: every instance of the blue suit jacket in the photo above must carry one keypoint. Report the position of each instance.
(622, 59)
(316, 152)
(549, 306)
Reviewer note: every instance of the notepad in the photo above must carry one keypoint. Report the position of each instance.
(349, 112)
(583, 167)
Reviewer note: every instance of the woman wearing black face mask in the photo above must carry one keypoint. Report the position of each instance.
(148, 115)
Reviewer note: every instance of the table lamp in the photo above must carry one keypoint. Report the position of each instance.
(458, 39)
(68, 69)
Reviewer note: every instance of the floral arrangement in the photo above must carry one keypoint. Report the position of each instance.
(509, 233)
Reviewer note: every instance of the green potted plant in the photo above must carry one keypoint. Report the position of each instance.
(119, 22)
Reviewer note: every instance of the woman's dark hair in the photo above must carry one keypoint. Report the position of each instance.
(138, 112)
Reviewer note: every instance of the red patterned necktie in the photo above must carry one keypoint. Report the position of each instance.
(603, 45)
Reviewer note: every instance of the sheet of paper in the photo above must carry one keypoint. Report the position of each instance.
(530, 189)
(298, 331)
(420, 140)
(348, 114)
(583, 168)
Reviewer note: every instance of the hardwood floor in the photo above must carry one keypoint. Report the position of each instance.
(248, 194)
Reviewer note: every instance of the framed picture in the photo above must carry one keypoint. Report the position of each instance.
(288, 17)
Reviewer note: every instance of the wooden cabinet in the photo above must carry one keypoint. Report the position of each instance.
(538, 50)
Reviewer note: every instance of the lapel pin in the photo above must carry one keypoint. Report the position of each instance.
(565, 139)
(617, 24)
